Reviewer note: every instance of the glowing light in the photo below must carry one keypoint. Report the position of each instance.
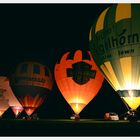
(32, 101)
(1, 112)
(29, 110)
(17, 110)
(131, 94)
(77, 104)
(77, 107)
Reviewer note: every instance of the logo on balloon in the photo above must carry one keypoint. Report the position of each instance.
(123, 41)
(81, 72)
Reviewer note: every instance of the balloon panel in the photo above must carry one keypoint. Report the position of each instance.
(7, 92)
(2, 112)
(78, 79)
(3, 104)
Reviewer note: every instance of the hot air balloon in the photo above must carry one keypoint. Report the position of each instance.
(78, 79)
(115, 46)
(3, 104)
(31, 83)
(8, 94)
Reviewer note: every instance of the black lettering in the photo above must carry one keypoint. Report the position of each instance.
(135, 38)
(18, 79)
(114, 42)
(122, 52)
(107, 44)
(127, 52)
(129, 39)
(132, 50)
(122, 40)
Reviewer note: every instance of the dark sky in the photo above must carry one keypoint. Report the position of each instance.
(44, 33)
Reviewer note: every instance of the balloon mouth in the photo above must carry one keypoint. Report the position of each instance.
(77, 107)
(1, 112)
(131, 97)
(29, 110)
(17, 110)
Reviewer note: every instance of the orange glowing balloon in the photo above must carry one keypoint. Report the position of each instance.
(8, 94)
(3, 104)
(78, 79)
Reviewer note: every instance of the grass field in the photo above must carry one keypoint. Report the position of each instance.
(65, 127)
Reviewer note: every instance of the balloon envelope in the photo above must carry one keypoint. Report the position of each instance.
(114, 43)
(31, 83)
(3, 104)
(78, 79)
(8, 94)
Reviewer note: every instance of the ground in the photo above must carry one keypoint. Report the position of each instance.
(65, 127)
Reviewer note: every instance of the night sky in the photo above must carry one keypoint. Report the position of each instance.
(43, 33)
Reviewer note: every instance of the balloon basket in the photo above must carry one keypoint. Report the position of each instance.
(31, 117)
(130, 116)
(28, 118)
(75, 117)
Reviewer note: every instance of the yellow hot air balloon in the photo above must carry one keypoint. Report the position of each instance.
(78, 79)
(115, 46)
